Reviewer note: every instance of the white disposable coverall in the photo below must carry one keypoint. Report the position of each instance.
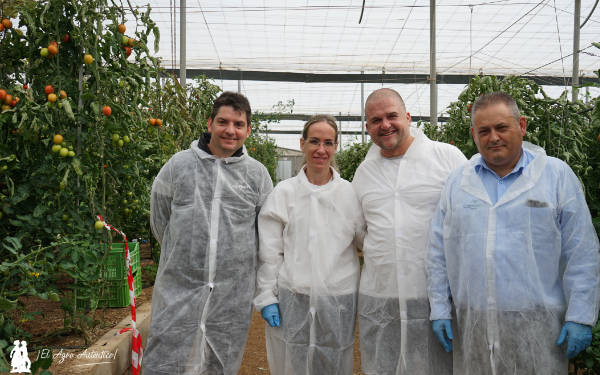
(515, 270)
(308, 264)
(393, 311)
(203, 213)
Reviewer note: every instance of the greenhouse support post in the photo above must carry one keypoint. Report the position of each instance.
(362, 107)
(432, 67)
(576, 27)
(182, 49)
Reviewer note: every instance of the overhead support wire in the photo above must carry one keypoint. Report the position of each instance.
(560, 44)
(497, 36)
(212, 40)
(582, 81)
(589, 15)
(362, 10)
(400, 32)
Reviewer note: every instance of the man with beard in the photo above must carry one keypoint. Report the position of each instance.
(398, 186)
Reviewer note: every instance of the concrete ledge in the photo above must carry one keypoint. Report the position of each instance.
(115, 351)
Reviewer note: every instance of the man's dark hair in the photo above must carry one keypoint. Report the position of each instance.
(232, 99)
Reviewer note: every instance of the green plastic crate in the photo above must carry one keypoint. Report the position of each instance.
(115, 265)
(116, 289)
(116, 292)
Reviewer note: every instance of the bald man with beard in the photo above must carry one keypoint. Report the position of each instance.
(398, 186)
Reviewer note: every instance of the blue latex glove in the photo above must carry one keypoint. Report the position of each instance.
(270, 313)
(580, 337)
(442, 329)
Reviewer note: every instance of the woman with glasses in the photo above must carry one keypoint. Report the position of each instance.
(309, 229)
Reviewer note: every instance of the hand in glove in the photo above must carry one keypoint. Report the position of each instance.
(443, 331)
(270, 313)
(579, 337)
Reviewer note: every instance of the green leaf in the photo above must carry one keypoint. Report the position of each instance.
(589, 362)
(63, 182)
(67, 107)
(39, 210)
(44, 12)
(12, 244)
(95, 108)
(156, 38)
(76, 164)
(24, 118)
(7, 305)
(24, 218)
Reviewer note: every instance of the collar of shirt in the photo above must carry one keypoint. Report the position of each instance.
(495, 185)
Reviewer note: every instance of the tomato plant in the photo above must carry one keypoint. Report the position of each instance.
(60, 162)
(350, 158)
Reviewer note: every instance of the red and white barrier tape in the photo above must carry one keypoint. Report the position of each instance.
(136, 338)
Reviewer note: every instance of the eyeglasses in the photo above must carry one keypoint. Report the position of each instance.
(328, 143)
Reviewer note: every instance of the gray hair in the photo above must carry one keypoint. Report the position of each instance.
(487, 100)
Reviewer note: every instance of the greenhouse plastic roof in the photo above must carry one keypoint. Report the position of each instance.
(489, 36)
(499, 37)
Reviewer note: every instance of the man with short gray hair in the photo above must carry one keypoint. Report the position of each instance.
(513, 264)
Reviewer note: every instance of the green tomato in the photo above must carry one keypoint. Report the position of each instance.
(63, 152)
(126, 139)
(121, 143)
(71, 154)
(115, 137)
(56, 148)
(98, 225)
(124, 40)
(53, 297)
(44, 52)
